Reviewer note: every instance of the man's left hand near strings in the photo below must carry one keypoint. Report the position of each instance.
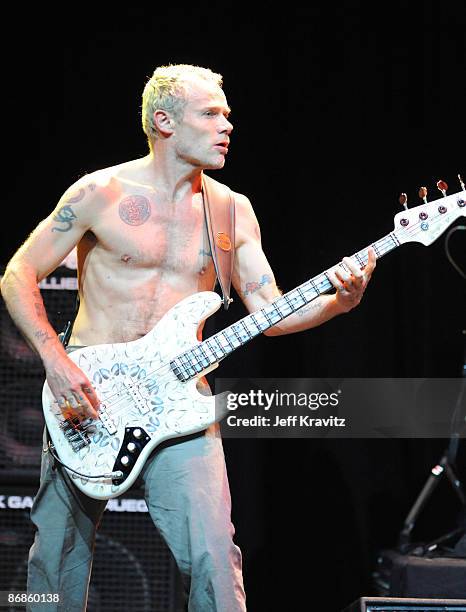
(351, 284)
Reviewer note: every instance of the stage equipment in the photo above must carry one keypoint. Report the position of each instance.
(383, 604)
(133, 568)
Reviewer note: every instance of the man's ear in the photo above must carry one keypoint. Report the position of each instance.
(164, 122)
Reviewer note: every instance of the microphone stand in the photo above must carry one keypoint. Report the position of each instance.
(443, 468)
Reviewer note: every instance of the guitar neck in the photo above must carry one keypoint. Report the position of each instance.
(221, 344)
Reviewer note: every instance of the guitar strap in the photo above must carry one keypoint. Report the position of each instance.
(219, 210)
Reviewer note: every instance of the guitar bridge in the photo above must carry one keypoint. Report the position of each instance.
(73, 432)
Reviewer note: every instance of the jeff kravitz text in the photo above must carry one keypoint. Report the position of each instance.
(292, 420)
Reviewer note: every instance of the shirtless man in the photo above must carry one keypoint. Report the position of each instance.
(142, 247)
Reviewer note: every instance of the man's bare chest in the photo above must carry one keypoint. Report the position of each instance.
(138, 229)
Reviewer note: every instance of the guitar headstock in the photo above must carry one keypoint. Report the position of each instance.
(425, 223)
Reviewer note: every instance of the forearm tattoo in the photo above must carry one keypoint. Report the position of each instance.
(39, 304)
(254, 286)
(66, 216)
(309, 308)
(42, 335)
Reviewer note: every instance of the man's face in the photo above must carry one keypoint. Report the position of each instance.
(202, 136)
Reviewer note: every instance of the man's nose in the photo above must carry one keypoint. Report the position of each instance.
(227, 126)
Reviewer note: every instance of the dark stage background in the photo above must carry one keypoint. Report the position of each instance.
(337, 107)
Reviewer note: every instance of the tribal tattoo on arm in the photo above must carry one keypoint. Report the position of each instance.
(64, 215)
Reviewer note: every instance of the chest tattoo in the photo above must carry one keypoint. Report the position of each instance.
(134, 210)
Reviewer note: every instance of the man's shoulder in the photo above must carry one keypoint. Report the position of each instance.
(104, 177)
(240, 198)
(97, 183)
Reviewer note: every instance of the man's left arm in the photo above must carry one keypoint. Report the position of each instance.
(255, 283)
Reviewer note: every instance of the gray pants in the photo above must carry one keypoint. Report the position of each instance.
(187, 494)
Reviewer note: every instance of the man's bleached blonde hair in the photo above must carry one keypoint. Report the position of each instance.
(167, 90)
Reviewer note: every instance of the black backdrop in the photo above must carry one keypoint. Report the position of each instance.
(338, 107)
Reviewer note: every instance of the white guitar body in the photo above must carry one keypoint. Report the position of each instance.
(143, 401)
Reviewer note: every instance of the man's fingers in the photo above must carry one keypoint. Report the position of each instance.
(90, 395)
(371, 260)
(352, 266)
(336, 282)
(78, 404)
(87, 406)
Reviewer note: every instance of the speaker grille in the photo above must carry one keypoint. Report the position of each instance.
(133, 568)
(22, 376)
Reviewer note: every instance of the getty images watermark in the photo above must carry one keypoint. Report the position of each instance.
(257, 398)
(348, 408)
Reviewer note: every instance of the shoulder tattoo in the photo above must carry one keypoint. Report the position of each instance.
(65, 216)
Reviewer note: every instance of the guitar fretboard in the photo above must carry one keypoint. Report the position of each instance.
(192, 362)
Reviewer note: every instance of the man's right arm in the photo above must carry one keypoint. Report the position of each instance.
(40, 254)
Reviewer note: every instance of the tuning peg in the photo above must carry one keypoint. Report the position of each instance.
(461, 182)
(403, 200)
(442, 186)
(423, 194)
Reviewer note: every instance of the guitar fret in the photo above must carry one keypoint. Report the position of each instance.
(326, 281)
(208, 351)
(235, 331)
(303, 297)
(253, 327)
(345, 267)
(277, 308)
(242, 332)
(289, 301)
(287, 305)
(194, 358)
(267, 317)
(225, 336)
(217, 348)
(253, 317)
(203, 353)
(360, 260)
(313, 286)
(248, 333)
(190, 365)
(231, 334)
